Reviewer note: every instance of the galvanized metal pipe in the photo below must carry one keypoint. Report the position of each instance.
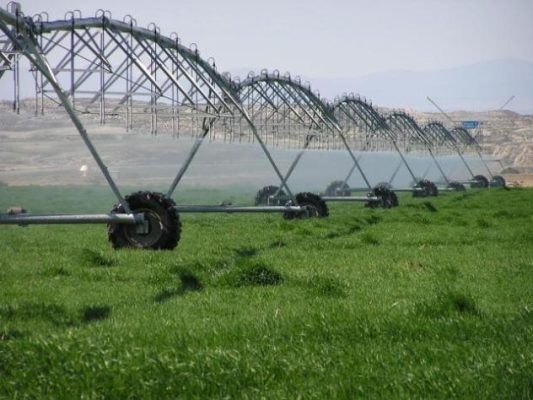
(393, 176)
(485, 164)
(294, 163)
(26, 219)
(196, 146)
(438, 165)
(362, 199)
(465, 163)
(236, 209)
(40, 62)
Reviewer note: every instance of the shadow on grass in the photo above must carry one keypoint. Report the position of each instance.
(429, 206)
(251, 274)
(372, 220)
(56, 272)
(188, 283)
(424, 206)
(95, 313)
(91, 258)
(351, 229)
(10, 334)
(369, 238)
(52, 313)
(448, 303)
(246, 252)
(483, 223)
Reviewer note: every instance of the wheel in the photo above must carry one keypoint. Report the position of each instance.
(497, 181)
(385, 185)
(480, 181)
(394, 199)
(434, 190)
(338, 188)
(457, 186)
(163, 227)
(424, 188)
(316, 207)
(388, 198)
(262, 198)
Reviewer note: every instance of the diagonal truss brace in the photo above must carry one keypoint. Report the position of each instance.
(30, 50)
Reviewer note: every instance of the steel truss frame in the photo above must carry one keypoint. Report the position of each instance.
(406, 124)
(358, 117)
(442, 137)
(128, 62)
(458, 140)
(286, 111)
(115, 70)
(469, 142)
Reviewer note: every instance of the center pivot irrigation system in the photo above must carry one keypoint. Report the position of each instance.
(118, 71)
(370, 129)
(281, 106)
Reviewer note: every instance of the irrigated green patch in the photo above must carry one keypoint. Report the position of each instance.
(329, 286)
(91, 258)
(448, 303)
(432, 299)
(251, 274)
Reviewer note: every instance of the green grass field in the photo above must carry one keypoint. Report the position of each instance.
(433, 299)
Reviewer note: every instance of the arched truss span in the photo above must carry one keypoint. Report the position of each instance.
(465, 138)
(468, 142)
(405, 125)
(287, 113)
(368, 129)
(118, 71)
(440, 136)
(363, 125)
(408, 131)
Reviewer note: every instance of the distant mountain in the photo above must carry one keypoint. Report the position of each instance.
(476, 87)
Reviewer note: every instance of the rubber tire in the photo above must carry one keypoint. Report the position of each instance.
(389, 193)
(316, 203)
(498, 181)
(261, 198)
(385, 185)
(388, 198)
(457, 186)
(480, 182)
(338, 188)
(434, 189)
(429, 189)
(159, 207)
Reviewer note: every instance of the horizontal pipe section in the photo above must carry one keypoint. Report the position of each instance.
(365, 199)
(234, 209)
(407, 190)
(25, 219)
(398, 190)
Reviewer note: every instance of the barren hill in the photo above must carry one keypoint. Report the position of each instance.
(47, 149)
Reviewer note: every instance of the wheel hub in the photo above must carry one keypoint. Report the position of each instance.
(148, 233)
(159, 230)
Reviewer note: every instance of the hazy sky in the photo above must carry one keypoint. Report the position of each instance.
(334, 38)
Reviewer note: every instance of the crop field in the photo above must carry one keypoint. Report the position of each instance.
(432, 299)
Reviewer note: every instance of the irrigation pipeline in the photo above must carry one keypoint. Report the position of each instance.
(141, 79)
(115, 70)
